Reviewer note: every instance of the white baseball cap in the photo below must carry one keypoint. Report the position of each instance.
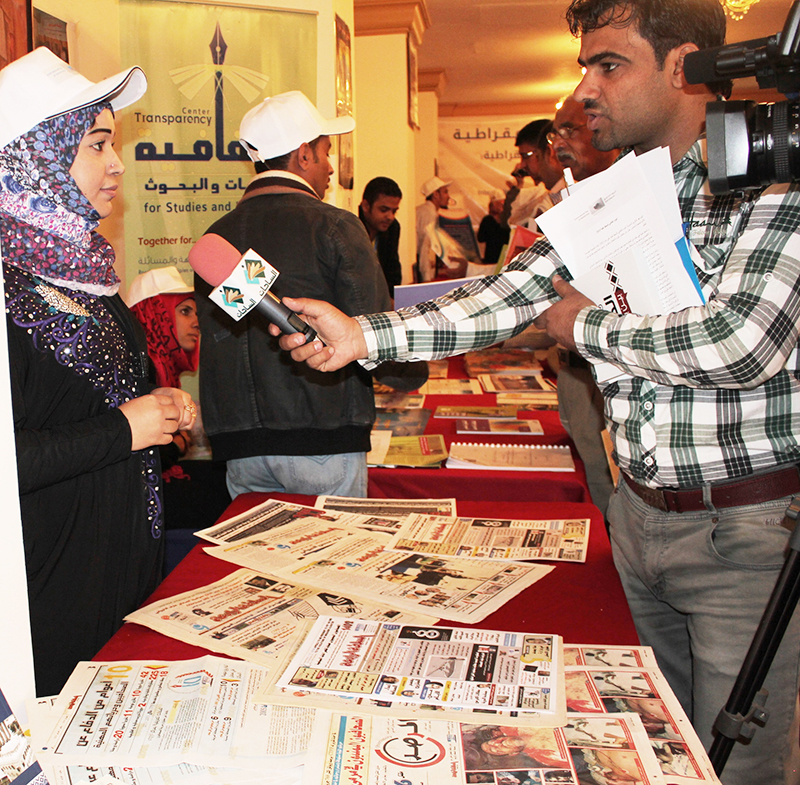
(434, 184)
(160, 280)
(283, 122)
(39, 86)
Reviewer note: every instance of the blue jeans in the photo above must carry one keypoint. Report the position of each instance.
(330, 475)
(697, 584)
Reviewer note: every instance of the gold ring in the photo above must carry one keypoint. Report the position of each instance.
(191, 408)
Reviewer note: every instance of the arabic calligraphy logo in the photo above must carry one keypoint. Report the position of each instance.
(618, 302)
(232, 296)
(254, 270)
(190, 79)
(413, 750)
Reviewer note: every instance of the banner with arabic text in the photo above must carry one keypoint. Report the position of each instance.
(206, 66)
(478, 155)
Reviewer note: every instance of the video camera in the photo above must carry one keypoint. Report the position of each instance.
(751, 144)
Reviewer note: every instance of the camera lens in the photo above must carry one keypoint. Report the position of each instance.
(751, 145)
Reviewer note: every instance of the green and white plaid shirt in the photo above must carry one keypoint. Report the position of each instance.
(708, 393)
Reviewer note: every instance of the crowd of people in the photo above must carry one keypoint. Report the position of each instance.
(704, 414)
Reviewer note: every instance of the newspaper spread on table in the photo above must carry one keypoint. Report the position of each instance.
(494, 538)
(438, 666)
(354, 562)
(608, 690)
(273, 514)
(600, 742)
(367, 750)
(254, 617)
(385, 514)
(166, 713)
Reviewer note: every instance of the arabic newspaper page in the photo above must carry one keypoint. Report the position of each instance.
(366, 750)
(438, 666)
(254, 617)
(492, 538)
(607, 690)
(386, 514)
(270, 515)
(356, 563)
(194, 711)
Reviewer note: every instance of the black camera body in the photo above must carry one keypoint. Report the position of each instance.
(750, 144)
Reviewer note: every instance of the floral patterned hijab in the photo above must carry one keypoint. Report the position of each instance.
(47, 226)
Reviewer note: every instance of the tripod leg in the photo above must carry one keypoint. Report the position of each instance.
(736, 715)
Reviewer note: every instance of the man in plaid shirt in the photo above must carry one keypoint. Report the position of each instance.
(706, 416)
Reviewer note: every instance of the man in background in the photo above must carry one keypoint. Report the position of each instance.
(437, 196)
(572, 142)
(522, 204)
(379, 205)
(280, 427)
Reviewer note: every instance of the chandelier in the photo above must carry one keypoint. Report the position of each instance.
(736, 9)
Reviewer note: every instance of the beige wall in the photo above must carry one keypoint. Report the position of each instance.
(427, 140)
(385, 142)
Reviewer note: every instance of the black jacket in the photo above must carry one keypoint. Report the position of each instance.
(255, 399)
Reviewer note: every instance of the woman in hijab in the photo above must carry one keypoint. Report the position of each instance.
(85, 425)
(165, 307)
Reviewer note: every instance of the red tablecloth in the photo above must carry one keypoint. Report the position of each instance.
(584, 603)
(473, 485)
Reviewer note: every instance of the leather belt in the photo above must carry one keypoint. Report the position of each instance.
(754, 489)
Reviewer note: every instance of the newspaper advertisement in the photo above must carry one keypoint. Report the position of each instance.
(626, 689)
(356, 563)
(438, 666)
(364, 750)
(386, 514)
(190, 711)
(494, 538)
(255, 617)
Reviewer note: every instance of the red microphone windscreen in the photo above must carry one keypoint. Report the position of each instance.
(213, 258)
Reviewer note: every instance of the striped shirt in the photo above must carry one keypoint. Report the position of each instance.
(708, 393)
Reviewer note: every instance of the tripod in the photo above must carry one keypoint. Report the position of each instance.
(735, 719)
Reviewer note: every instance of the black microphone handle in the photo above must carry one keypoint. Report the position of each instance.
(289, 322)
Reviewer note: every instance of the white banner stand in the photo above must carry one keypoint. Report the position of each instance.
(16, 654)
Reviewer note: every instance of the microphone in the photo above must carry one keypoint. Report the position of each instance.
(242, 282)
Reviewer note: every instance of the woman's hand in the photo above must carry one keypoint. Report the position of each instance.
(183, 401)
(155, 417)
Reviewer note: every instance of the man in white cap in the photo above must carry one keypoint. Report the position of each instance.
(437, 195)
(280, 428)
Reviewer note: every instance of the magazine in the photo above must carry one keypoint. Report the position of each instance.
(485, 426)
(428, 451)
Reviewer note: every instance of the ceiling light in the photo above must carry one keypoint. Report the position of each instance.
(736, 9)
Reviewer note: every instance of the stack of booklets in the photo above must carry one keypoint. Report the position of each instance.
(511, 457)
(516, 383)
